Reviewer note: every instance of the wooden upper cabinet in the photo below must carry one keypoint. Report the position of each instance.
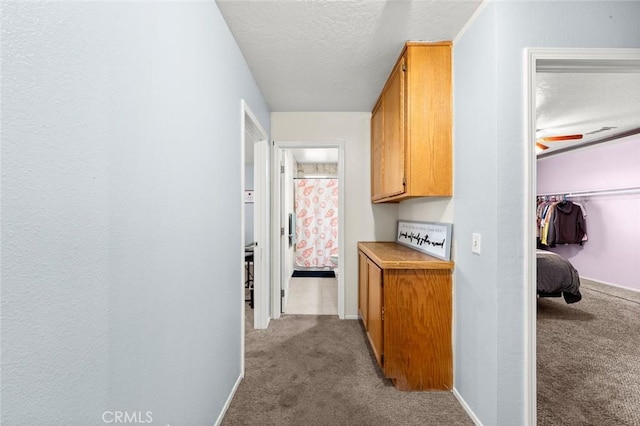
(392, 175)
(376, 148)
(411, 127)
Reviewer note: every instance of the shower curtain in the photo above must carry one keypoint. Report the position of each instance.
(316, 209)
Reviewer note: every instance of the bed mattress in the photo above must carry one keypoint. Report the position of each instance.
(556, 274)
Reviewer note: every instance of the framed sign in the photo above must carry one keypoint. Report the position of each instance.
(431, 238)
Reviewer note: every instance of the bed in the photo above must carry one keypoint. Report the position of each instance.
(557, 277)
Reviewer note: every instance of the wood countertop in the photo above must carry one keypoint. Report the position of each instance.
(391, 255)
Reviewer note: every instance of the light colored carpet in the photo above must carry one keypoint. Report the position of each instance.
(588, 358)
(313, 296)
(317, 370)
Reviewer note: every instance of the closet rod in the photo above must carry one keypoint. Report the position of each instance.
(611, 191)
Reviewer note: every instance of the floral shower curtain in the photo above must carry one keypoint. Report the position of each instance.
(316, 209)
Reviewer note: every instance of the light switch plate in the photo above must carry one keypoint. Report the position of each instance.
(476, 243)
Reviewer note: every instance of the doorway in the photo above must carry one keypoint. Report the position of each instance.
(312, 211)
(575, 60)
(309, 167)
(255, 197)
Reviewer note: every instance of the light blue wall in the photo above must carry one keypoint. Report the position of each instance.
(475, 181)
(121, 246)
(489, 183)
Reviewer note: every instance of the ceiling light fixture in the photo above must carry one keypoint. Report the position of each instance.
(601, 129)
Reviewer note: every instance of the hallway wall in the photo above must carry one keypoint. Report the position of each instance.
(121, 266)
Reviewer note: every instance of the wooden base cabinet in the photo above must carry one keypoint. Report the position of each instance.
(405, 300)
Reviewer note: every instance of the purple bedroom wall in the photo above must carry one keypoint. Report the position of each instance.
(612, 253)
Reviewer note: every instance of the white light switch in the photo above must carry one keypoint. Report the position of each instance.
(476, 243)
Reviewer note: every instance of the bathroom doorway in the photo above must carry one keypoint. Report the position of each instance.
(308, 200)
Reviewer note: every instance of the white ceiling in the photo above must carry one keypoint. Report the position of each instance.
(301, 155)
(586, 104)
(315, 155)
(335, 55)
(328, 55)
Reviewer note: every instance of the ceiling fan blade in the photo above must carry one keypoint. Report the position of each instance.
(561, 138)
(540, 147)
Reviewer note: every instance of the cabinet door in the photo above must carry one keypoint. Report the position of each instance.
(417, 339)
(375, 316)
(377, 125)
(363, 280)
(393, 147)
(429, 166)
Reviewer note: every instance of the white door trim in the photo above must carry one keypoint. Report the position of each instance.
(276, 258)
(249, 124)
(559, 58)
(284, 223)
(261, 228)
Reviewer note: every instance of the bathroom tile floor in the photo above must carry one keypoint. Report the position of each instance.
(313, 296)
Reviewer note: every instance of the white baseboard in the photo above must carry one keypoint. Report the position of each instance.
(351, 317)
(466, 407)
(228, 403)
(612, 284)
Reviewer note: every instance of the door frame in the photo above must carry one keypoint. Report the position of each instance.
(558, 58)
(249, 124)
(261, 254)
(284, 221)
(276, 213)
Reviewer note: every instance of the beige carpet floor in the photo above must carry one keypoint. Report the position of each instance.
(317, 370)
(588, 358)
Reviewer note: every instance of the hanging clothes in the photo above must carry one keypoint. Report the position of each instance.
(569, 224)
(560, 221)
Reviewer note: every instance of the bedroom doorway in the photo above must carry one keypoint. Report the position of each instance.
(254, 220)
(547, 67)
(308, 198)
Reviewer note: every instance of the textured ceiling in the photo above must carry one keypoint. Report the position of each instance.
(315, 155)
(333, 55)
(327, 55)
(582, 103)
